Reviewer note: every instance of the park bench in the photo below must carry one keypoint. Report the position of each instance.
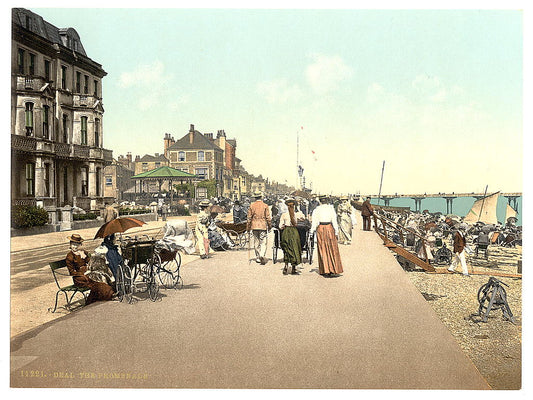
(70, 290)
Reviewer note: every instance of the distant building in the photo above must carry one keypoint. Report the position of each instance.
(198, 154)
(117, 180)
(57, 152)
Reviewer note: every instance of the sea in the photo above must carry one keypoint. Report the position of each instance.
(461, 206)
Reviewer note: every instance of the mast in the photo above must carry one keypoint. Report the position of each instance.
(381, 181)
(483, 202)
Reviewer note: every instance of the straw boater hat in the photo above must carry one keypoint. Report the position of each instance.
(344, 198)
(291, 201)
(258, 194)
(75, 238)
(204, 203)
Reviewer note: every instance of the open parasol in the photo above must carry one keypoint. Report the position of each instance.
(216, 209)
(301, 193)
(118, 225)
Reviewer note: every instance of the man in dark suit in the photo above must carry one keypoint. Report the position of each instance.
(366, 212)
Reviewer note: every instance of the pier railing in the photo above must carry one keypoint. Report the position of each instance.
(385, 226)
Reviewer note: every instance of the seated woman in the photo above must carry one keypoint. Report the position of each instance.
(218, 240)
(77, 260)
(290, 237)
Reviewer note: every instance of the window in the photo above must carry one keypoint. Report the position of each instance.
(32, 64)
(98, 173)
(20, 61)
(157, 164)
(201, 172)
(97, 132)
(65, 128)
(30, 179)
(63, 77)
(201, 156)
(78, 82)
(28, 22)
(46, 179)
(108, 180)
(84, 131)
(95, 88)
(181, 156)
(46, 130)
(86, 84)
(29, 119)
(144, 166)
(47, 70)
(84, 181)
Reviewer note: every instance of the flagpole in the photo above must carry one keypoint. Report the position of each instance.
(297, 159)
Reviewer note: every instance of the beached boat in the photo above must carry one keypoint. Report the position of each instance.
(484, 210)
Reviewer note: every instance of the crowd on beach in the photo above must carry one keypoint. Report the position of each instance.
(299, 223)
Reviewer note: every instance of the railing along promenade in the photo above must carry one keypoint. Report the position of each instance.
(443, 195)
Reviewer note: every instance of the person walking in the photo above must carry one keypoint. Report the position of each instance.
(290, 237)
(366, 212)
(201, 231)
(110, 213)
(344, 211)
(259, 222)
(324, 224)
(164, 211)
(459, 244)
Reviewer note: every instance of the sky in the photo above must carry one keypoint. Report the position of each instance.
(436, 94)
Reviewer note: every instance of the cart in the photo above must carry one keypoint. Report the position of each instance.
(307, 240)
(145, 267)
(236, 232)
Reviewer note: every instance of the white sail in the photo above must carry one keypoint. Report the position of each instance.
(509, 212)
(484, 210)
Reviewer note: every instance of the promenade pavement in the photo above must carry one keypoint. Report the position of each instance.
(238, 324)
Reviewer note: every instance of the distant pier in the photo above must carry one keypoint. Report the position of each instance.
(449, 197)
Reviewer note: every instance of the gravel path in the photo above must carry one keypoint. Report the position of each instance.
(495, 346)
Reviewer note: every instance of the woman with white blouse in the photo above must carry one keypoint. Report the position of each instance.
(324, 223)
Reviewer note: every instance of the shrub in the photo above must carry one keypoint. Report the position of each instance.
(84, 217)
(181, 210)
(28, 216)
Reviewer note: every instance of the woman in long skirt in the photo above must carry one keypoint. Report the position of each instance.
(324, 223)
(290, 238)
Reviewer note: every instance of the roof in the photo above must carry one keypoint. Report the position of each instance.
(163, 172)
(150, 158)
(46, 30)
(199, 142)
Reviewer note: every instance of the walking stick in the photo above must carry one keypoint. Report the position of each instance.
(249, 240)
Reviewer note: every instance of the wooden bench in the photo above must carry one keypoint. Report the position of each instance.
(70, 290)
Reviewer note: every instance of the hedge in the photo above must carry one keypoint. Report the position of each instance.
(28, 216)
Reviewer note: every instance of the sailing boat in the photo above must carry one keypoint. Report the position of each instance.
(484, 210)
(510, 212)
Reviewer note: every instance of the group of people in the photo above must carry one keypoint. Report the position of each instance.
(331, 227)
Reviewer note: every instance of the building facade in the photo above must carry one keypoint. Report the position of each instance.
(117, 180)
(57, 152)
(199, 154)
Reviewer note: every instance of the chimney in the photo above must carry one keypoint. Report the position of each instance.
(157, 154)
(137, 158)
(191, 134)
(129, 156)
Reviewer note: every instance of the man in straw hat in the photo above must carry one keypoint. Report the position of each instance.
(459, 244)
(366, 212)
(259, 222)
(201, 231)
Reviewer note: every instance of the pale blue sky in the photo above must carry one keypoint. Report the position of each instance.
(431, 92)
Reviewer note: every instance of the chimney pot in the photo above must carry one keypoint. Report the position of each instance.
(191, 129)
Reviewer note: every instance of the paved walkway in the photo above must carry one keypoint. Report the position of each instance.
(237, 324)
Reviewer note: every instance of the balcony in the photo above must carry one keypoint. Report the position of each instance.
(81, 151)
(23, 143)
(83, 100)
